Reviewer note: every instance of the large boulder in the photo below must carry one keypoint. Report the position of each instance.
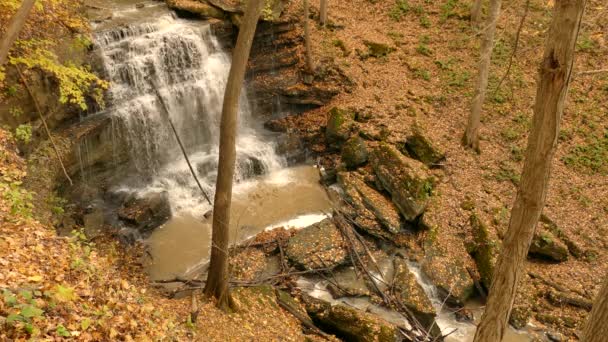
(363, 197)
(485, 249)
(340, 126)
(407, 180)
(348, 323)
(412, 295)
(546, 245)
(318, 246)
(450, 276)
(420, 147)
(354, 152)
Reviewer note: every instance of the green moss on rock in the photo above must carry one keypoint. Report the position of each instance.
(340, 126)
(407, 180)
(486, 250)
(420, 147)
(354, 152)
(377, 50)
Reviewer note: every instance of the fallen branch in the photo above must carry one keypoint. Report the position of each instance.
(515, 47)
(179, 141)
(560, 298)
(592, 72)
(46, 127)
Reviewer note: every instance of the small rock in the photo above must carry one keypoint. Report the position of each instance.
(555, 336)
(377, 50)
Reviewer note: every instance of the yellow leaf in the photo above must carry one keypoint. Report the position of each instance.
(35, 279)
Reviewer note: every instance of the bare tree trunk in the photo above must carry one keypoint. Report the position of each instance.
(217, 280)
(555, 74)
(476, 12)
(14, 27)
(309, 66)
(471, 134)
(596, 329)
(323, 12)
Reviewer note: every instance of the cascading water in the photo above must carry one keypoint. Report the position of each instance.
(188, 66)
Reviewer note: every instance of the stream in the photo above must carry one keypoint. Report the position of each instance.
(147, 48)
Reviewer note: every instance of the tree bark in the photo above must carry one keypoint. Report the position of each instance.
(14, 28)
(217, 279)
(309, 64)
(596, 329)
(476, 12)
(471, 134)
(555, 74)
(323, 12)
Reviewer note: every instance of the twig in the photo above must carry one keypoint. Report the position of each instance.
(46, 128)
(516, 45)
(179, 141)
(592, 72)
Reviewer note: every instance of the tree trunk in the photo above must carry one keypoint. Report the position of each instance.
(596, 329)
(217, 280)
(323, 13)
(476, 12)
(555, 73)
(309, 66)
(14, 27)
(471, 134)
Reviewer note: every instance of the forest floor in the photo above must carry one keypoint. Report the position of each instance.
(55, 287)
(427, 79)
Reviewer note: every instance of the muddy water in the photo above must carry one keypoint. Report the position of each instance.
(290, 197)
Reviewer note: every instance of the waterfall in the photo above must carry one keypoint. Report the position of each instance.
(187, 64)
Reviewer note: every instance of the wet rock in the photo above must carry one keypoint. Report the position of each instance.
(554, 336)
(354, 152)
(147, 212)
(363, 197)
(450, 276)
(418, 146)
(276, 125)
(350, 284)
(318, 246)
(547, 245)
(407, 180)
(340, 126)
(328, 175)
(348, 323)
(290, 146)
(412, 295)
(485, 250)
(202, 9)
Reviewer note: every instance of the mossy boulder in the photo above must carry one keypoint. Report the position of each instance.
(376, 50)
(354, 152)
(318, 246)
(407, 180)
(340, 126)
(485, 249)
(202, 9)
(412, 295)
(573, 247)
(348, 323)
(420, 147)
(546, 245)
(367, 200)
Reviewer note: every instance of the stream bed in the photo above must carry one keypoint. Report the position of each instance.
(147, 50)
